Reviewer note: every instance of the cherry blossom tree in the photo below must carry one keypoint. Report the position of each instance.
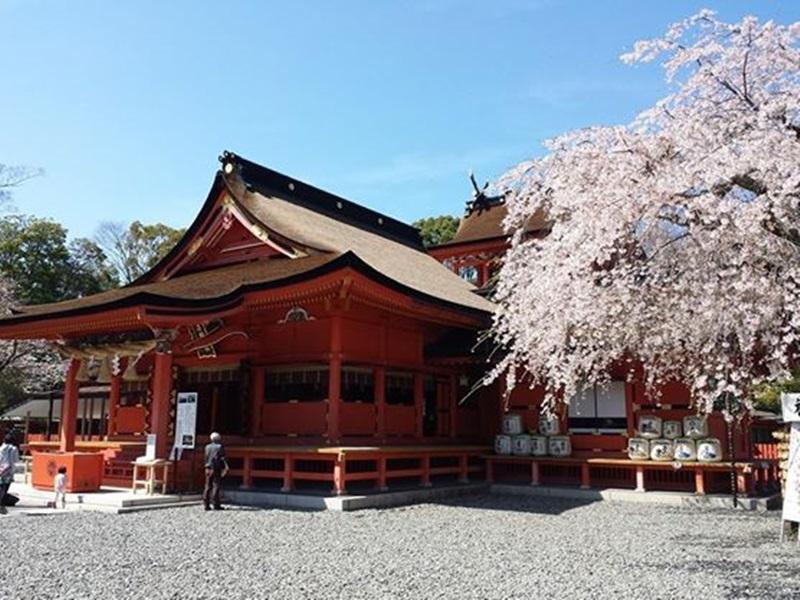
(675, 240)
(28, 364)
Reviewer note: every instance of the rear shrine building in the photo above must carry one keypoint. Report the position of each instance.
(330, 349)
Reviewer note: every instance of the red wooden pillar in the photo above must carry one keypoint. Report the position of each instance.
(382, 486)
(380, 402)
(699, 481)
(419, 403)
(586, 481)
(463, 468)
(335, 379)
(256, 400)
(113, 404)
(453, 400)
(339, 475)
(425, 478)
(535, 475)
(247, 471)
(640, 479)
(69, 408)
(288, 473)
(162, 395)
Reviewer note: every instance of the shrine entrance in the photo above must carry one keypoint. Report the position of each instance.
(437, 407)
(222, 398)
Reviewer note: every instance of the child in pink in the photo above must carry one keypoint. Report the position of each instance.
(60, 486)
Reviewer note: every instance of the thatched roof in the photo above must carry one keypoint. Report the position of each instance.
(334, 233)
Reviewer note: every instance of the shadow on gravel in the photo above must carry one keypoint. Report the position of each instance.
(769, 569)
(540, 505)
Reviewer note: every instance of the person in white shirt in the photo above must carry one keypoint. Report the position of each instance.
(60, 487)
(9, 456)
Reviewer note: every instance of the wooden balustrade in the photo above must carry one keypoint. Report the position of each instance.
(752, 477)
(344, 465)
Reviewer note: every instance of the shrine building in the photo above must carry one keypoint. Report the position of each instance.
(332, 351)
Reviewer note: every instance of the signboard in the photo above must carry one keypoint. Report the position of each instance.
(186, 420)
(790, 403)
(150, 449)
(791, 490)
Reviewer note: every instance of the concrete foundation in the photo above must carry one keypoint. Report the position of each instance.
(651, 497)
(351, 502)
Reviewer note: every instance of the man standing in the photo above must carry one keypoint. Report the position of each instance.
(216, 469)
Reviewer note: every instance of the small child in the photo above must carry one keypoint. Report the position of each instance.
(60, 486)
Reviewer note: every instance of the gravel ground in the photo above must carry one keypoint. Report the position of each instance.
(475, 547)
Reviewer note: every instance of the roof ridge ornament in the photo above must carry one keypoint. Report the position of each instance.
(480, 200)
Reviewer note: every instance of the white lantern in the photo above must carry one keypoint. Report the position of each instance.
(672, 430)
(709, 450)
(650, 426)
(548, 425)
(538, 445)
(512, 424)
(559, 445)
(661, 450)
(695, 426)
(638, 448)
(685, 450)
(502, 444)
(521, 445)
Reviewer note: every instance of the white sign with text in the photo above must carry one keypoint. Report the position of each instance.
(186, 420)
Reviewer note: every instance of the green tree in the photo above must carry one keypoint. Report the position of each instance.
(135, 249)
(44, 267)
(437, 230)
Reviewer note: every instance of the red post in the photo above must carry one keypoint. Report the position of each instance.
(586, 482)
(535, 475)
(69, 408)
(463, 468)
(335, 379)
(699, 481)
(162, 394)
(382, 486)
(380, 402)
(339, 475)
(419, 402)
(256, 400)
(640, 479)
(288, 474)
(247, 471)
(425, 478)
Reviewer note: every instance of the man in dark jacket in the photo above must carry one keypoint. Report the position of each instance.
(216, 469)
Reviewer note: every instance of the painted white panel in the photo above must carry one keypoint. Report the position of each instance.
(611, 400)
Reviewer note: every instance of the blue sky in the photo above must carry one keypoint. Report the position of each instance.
(126, 105)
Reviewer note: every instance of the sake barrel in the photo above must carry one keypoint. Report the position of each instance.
(649, 427)
(685, 449)
(638, 448)
(548, 425)
(672, 430)
(709, 450)
(661, 450)
(512, 424)
(502, 444)
(559, 445)
(538, 445)
(695, 426)
(521, 445)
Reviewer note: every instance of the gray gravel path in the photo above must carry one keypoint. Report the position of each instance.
(476, 547)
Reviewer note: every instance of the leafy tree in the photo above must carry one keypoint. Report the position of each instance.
(35, 255)
(132, 251)
(674, 239)
(437, 230)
